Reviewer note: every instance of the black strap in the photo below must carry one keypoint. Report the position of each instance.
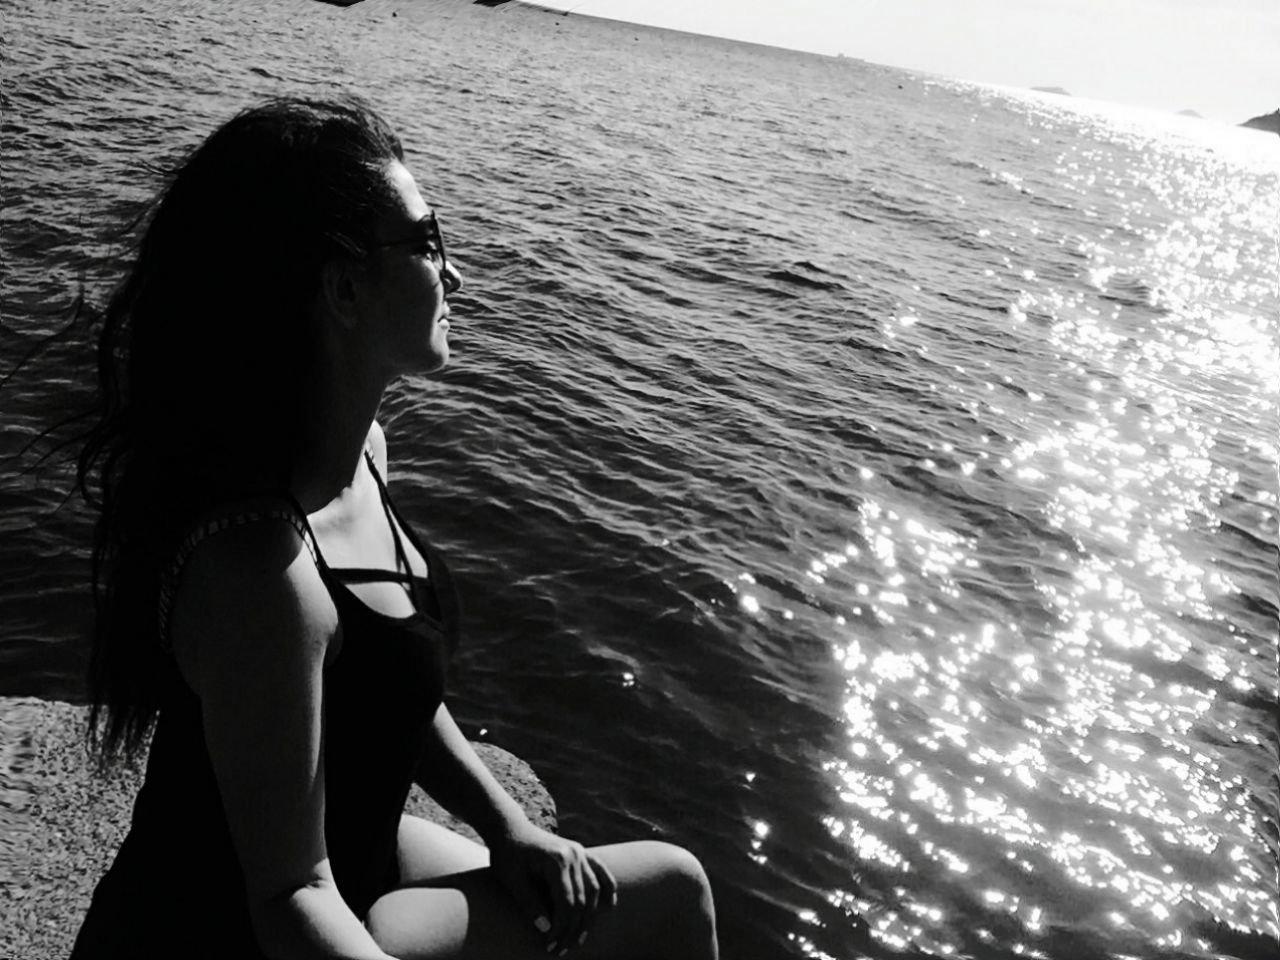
(371, 575)
(402, 558)
(440, 598)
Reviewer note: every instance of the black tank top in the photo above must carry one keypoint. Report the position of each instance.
(175, 887)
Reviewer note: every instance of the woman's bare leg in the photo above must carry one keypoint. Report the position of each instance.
(664, 909)
(428, 850)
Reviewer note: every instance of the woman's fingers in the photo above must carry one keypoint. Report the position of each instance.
(582, 883)
(605, 882)
(528, 900)
(568, 905)
(591, 904)
(559, 887)
(590, 887)
(578, 890)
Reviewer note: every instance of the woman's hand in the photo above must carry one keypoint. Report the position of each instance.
(556, 883)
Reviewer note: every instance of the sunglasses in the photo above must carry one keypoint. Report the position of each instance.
(431, 243)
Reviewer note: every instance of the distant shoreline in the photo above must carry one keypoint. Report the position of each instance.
(1265, 122)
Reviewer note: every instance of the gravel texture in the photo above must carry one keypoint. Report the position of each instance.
(61, 821)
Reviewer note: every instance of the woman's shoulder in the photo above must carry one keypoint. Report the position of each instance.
(249, 581)
(236, 548)
(250, 519)
(228, 527)
(236, 532)
(249, 555)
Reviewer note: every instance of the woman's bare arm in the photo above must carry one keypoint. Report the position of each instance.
(458, 780)
(251, 626)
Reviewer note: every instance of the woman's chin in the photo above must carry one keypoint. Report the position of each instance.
(439, 359)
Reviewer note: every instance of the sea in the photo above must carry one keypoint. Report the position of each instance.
(865, 479)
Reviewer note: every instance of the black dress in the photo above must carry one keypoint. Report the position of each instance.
(175, 888)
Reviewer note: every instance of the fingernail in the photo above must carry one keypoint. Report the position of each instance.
(543, 924)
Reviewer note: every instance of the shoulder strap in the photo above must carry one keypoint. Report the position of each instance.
(402, 558)
(404, 570)
(440, 582)
(290, 511)
(369, 575)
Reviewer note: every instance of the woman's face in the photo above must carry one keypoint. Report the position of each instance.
(410, 281)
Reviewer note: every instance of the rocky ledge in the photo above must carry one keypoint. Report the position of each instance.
(61, 822)
(1268, 121)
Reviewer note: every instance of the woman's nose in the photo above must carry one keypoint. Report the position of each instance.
(452, 278)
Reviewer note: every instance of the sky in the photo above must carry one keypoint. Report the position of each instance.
(1220, 58)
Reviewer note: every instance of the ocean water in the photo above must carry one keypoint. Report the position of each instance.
(865, 479)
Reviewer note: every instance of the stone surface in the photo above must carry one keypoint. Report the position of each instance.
(61, 821)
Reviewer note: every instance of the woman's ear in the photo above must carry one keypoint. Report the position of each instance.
(341, 281)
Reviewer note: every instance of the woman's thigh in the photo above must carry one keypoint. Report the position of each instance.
(664, 911)
(428, 850)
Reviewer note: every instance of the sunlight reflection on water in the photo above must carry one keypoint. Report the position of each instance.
(1083, 755)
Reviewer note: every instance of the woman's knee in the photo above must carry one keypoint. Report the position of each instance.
(691, 908)
(684, 889)
(683, 869)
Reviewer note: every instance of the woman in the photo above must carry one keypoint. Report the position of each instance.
(263, 607)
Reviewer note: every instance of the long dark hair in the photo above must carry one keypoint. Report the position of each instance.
(203, 361)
